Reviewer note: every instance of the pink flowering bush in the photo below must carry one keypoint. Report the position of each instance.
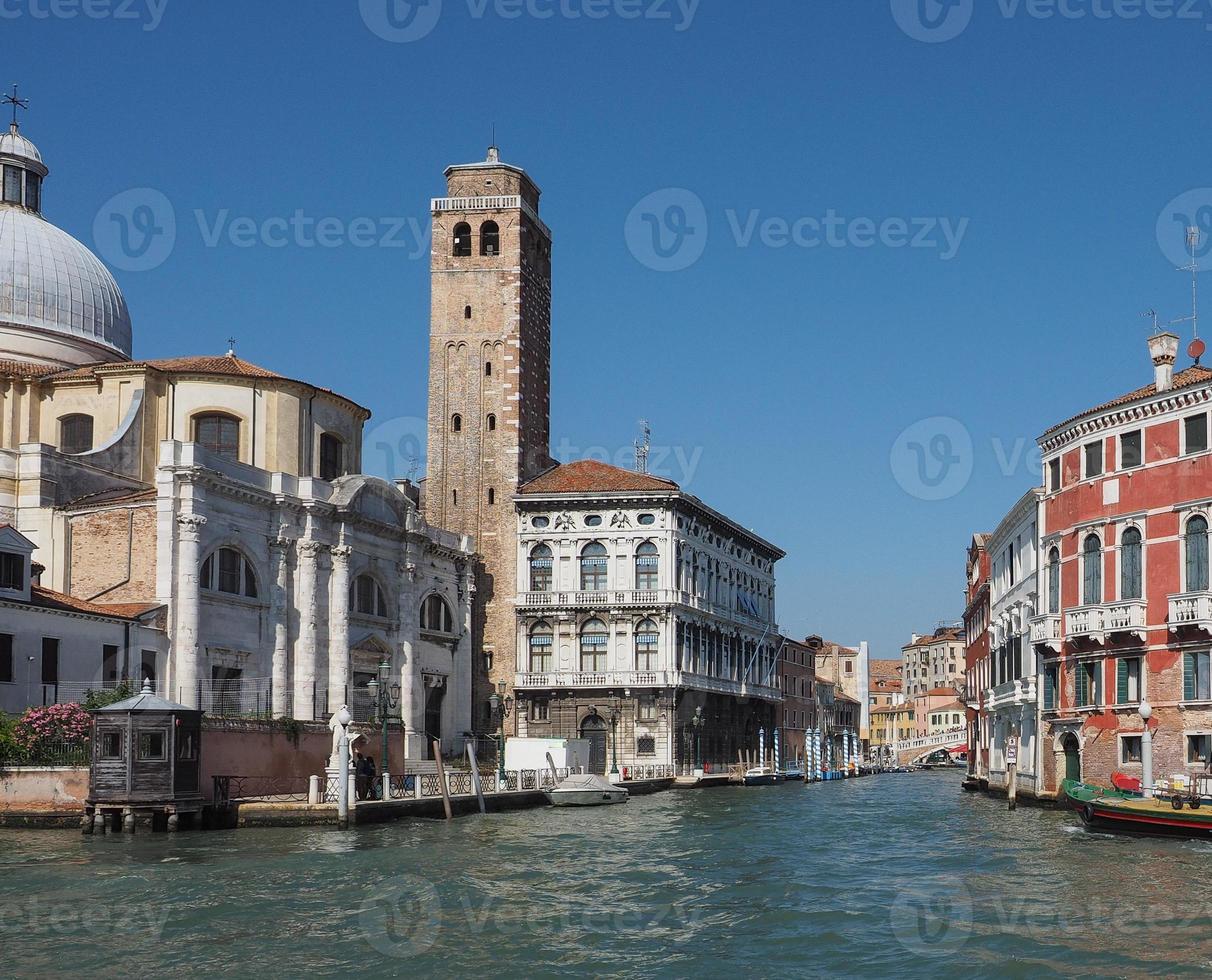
(39, 727)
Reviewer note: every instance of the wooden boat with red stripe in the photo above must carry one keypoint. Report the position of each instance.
(1114, 810)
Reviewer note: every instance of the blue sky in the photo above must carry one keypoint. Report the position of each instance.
(793, 381)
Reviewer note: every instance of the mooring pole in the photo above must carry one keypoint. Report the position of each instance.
(437, 754)
(343, 781)
(475, 775)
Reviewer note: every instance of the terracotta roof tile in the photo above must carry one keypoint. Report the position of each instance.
(117, 495)
(228, 365)
(49, 599)
(1187, 378)
(22, 369)
(590, 476)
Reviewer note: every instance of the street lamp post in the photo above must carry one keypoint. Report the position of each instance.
(697, 721)
(1146, 750)
(501, 706)
(386, 697)
(614, 740)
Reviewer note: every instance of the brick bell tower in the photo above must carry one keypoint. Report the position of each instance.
(489, 387)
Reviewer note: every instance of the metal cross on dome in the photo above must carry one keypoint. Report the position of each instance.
(15, 101)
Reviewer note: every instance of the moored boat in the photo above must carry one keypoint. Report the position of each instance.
(1126, 812)
(585, 789)
(762, 776)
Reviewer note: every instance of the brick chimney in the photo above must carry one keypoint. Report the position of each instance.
(1163, 348)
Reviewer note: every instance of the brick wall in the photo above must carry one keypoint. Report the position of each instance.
(113, 555)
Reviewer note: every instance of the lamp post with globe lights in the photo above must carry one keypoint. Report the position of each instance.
(386, 697)
(501, 707)
(1146, 750)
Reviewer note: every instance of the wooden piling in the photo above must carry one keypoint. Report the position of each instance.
(437, 754)
(475, 776)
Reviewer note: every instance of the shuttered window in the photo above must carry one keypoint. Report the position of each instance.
(1092, 571)
(1050, 677)
(1086, 685)
(1127, 680)
(1195, 677)
(1054, 572)
(1130, 581)
(1197, 554)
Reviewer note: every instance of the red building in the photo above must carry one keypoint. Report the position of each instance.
(795, 715)
(976, 652)
(1124, 584)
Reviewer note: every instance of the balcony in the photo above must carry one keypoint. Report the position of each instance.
(597, 679)
(1128, 617)
(1085, 623)
(1046, 632)
(1191, 610)
(1012, 694)
(594, 600)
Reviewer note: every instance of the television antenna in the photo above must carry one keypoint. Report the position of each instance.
(1197, 347)
(642, 445)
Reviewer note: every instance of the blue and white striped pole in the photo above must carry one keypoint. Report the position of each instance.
(761, 746)
(778, 755)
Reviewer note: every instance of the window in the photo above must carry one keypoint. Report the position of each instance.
(490, 238)
(1086, 685)
(435, 615)
(227, 570)
(12, 571)
(332, 457)
(1093, 453)
(647, 644)
(491, 422)
(646, 557)
(1054, 475)
(492, 496)
(219, 434)
(147, 671)
(488, 369)
(540, 648)
(540, 522)
(593, 568)
(50, 660)
(646, 520)
(151, 745)
(1127, 680)
(1129, 749)
(1197, 554)
(646, 710)
(1198, 749)
(109, 666)
(594, 641)
(1195, 431)
(1195, 677)
(456, 423)
(1130, 450)
(1050, 687)
(1054, 573)
(540, 569)
(1130, 579)
(366, 597)
(461, 246)
(466, 312)
(111, 745)
(488, 661)
(33, 191)
(1092, 571)
(454, 498)
(593, 520)
(12, 185)
(75, 434)
(6, 658)
(540, 711)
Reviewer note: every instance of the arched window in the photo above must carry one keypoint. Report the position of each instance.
(461, 246)
(647, 642)
(1092, 571)
(1197, 554)
(456, 423)
(366, 597)
(454, 498)
(75, 434)
(332, 457)
(491, 423)
(488, 369)
(540, 569)
(490, 238)
(492, 496)
(227, 570)
(466, 312)
(218, 433)
(1054, 573)
(593, 568)
(646, 567)
(1131, 582)
(540, 648)
(435, 615)
(594, 642)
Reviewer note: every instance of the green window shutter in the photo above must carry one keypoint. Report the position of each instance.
(1188, 677)
(1121, 681)
(1079, 685)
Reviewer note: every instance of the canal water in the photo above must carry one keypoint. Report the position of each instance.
(898, 875)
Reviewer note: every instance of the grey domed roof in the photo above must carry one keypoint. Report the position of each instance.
(52, 283)
(13, 144)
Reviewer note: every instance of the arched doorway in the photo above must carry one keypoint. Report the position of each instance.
(1073, 756)
(593, 730)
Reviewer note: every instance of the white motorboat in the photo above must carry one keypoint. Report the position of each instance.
(763, 776)
(585, 789)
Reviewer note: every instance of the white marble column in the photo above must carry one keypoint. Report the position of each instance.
(412, 703)
(310, 553)
(279, 616)
(338, 628)
(189, 598)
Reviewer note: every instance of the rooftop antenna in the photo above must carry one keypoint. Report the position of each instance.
(16, 102)
(642, 446)
(1197, 347)
(231, 346)
(413, 465)
(1153, 315)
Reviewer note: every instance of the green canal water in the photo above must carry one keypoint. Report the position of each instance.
(900, 875)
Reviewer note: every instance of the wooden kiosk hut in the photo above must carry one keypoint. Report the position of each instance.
(146, 765)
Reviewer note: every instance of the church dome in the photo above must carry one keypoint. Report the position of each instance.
(58, 304)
